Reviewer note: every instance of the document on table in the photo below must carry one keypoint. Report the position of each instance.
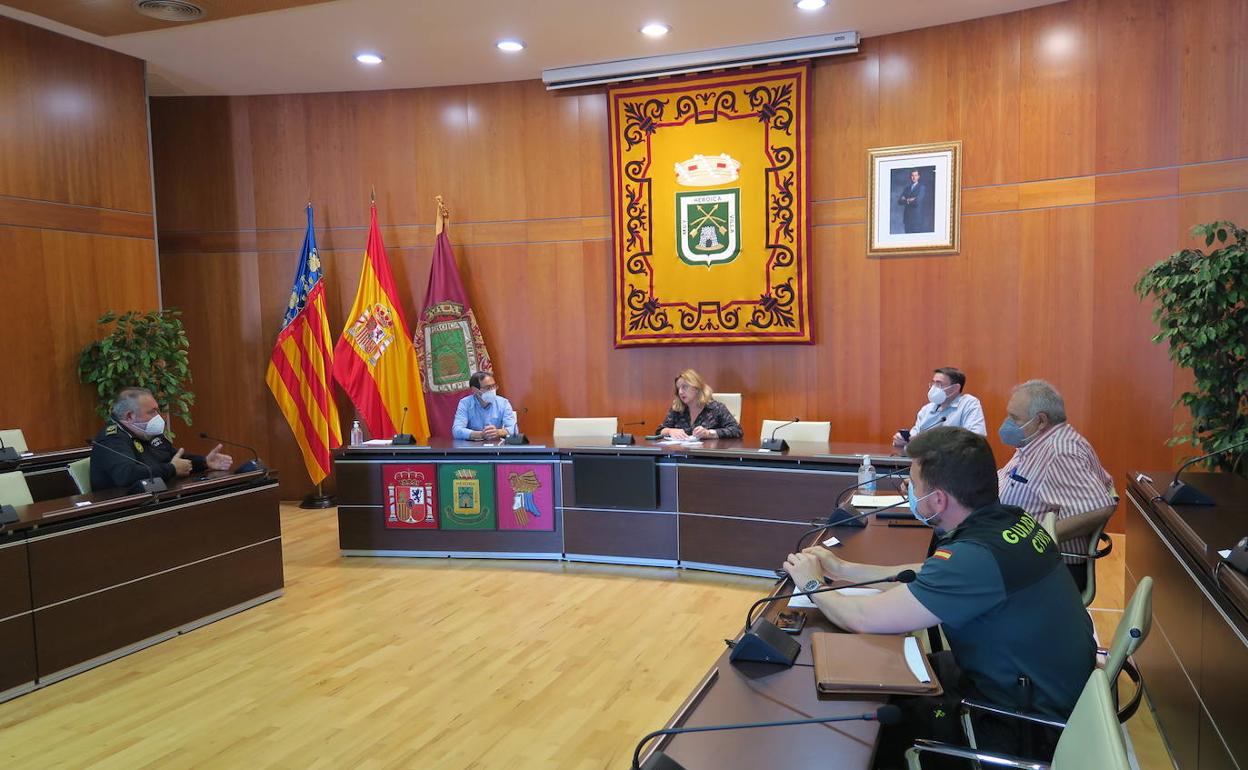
(681, 442)
(378, 442)
(876, 501)
(807, 602)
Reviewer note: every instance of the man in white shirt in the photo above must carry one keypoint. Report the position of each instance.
(946, 406)
(1053, 467)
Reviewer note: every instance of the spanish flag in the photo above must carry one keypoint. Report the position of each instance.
(374, 361)
(300, 365)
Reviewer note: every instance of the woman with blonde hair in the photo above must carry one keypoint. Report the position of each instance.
(696, 414)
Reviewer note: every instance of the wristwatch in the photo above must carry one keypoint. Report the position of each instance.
(811, 585)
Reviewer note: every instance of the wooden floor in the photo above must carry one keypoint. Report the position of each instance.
(376, 663)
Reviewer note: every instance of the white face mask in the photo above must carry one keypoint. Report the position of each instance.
(153, 427)
(937, 395)
(488, 397)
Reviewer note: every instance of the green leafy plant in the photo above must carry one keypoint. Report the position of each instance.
(1202, 311)
(148, 350)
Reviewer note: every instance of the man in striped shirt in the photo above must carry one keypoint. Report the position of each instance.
(1053, 468)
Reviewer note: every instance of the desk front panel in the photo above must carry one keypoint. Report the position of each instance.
(17, 635)
(96, 556)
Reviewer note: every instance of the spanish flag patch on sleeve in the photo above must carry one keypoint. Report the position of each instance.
(942, 553)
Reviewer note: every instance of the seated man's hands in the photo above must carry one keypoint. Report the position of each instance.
(803, 567)
(216, 459)
(832, 565)
(490, 433)
(898, 441)
(181, 465)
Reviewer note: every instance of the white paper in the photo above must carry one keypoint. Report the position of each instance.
(914, 658)
(876, 501)
(377, 442)
(28, 454)
(809, 603)
(82, 504)
(831, 542)
(1225, 554)
(682, 441)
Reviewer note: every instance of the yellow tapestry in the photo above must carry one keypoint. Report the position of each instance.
(708, 188)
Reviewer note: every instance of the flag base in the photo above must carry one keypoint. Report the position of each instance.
(318, 500)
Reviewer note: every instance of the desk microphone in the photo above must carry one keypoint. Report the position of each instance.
(764, 642)
(842, 515)
(885, 715)
(151, 485)
(833, 521)
(253, 464)
(778, 445)
(401, 438)
(625, 439)
(8, 454)
(517, 438)
(1180, 493)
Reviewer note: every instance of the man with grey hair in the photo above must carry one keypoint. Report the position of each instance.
(133, 442)
(1053, 467)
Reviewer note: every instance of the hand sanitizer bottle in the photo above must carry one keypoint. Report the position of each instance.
(866, 476)
(357, 435)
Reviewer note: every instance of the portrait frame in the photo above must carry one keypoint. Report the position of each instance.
(914, 216)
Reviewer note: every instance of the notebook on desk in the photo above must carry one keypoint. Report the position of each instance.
(871, 663)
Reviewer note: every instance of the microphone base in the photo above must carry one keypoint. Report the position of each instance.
(151, 486)
(775, 445)
(765, 643)
(8, 515)
(9, 455)
(623, 439)
(660, 761)
(1181, 493)
(844, 517)
(251, 465)
(516, 439)
(403, 439)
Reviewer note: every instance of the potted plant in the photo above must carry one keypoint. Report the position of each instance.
(1202, 311)
(148, 350)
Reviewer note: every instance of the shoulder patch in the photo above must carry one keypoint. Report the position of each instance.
(942, 553)
(138, 446)
(111, 430)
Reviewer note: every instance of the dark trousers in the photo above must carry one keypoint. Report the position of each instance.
(938, 718)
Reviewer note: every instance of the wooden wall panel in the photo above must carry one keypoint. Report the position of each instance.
(1085, 161)
(76, 227)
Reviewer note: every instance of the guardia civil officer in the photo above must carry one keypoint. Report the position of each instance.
(135, 432)
(1018, 634)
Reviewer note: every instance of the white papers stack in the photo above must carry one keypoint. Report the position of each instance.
(876, 501)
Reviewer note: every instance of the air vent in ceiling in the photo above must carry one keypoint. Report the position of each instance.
(169, 10)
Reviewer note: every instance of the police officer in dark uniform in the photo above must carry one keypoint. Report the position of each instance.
(135, 432)
(1018, 634)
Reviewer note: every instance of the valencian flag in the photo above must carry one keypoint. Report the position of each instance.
(448, 341)
(374, 361)
(301, 362)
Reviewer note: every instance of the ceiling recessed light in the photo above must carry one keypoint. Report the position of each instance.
(510, 46)
(368, 58)
(655, 29)
(811, 5)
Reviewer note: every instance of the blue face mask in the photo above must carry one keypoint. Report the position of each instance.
(488, 397)
(914, 504)
(1012, 433)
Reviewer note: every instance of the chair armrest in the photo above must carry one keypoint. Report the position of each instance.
(1100, 553)
(992, 708)
(994, 760)
(1083, 524)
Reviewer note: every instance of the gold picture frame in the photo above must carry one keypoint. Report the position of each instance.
(914, 199)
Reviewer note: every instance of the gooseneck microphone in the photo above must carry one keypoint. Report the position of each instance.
(764, 641)
(885, 715)
(401, 438)
(774, 444)
(517, 438)
(1181, 493)
(150, 485)
(851, 521)
(253, 464)
(8, 454)
(625, 439)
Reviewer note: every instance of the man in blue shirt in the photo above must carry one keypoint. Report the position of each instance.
(947, 406)
(483, 415)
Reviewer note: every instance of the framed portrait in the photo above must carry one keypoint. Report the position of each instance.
(914, 199)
